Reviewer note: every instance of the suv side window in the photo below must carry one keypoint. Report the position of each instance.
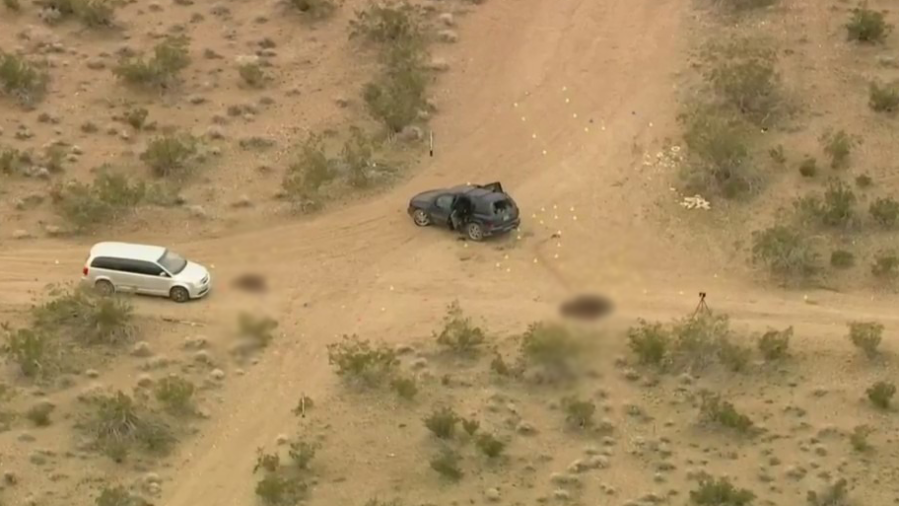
(111, 264)
(445, 202)
(145, 268)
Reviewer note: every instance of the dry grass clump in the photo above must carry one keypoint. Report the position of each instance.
(24, 81)
(118, 424)
(285, 483)
(161, 70)
(110, 197)
(459, 334)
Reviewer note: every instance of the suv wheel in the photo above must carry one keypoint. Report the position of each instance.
(179, 294)
(474, 231)
(104, 288)
(421, 218)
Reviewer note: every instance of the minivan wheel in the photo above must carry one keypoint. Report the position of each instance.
(179, 294)
(104, 287)
(421, 218)
(474, 231)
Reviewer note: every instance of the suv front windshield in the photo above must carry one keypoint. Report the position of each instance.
(172, 262)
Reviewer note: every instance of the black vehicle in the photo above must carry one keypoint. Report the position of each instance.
(477, 211)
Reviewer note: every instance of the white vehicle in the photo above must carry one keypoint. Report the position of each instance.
(140, 268)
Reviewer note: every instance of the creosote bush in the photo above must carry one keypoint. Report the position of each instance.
(91, 13)
(301, 453)
(314, 9)
(775, 344)
(885, 211)
(404, 387)
(578, 413)
(835, 494)
(841, 259)
(867, 26)
(22, 80)
(859, 438)
(881, 394)
(12, 5)
(649, 342)
(809, 167)
(87, 317)
(835, 210)
(838, 146)
(119, 496)
(39, 414)
(717, 411)
(720, 492)
(118, 424)
(489, 445)
(459, 334)
(362, 362)
(718, 154)
(110, 197)
(883, 97)
(176, 394)
(252, 75)
(311, 170)
(885, 266)
(447, 463)
(279, 490)
(169, 58)
(742, 73)
(785, 252)
(442, 423)
(170, 155)
(34, 351)
(550, 346)
(866, 336)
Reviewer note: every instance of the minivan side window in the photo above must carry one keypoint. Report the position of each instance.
(145, 268)
(112, 264)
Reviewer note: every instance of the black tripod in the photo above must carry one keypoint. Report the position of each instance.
(702, 306)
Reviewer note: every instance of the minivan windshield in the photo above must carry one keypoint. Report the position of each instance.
(172, 262)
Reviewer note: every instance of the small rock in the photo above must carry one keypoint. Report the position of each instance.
(561, 495)
(91, 373)
(447, 36)
(447, 19)
(144, 380)
(525, 428)
(197, 211)
(142, 349)
(438, 64)
(243, 201)
(492, 494)
(21, 234)
(217, 374)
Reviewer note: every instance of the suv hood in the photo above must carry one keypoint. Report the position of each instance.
(193, 273)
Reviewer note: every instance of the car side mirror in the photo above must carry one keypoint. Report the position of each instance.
(163, 274)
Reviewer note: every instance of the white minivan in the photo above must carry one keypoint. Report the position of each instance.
(145, 269)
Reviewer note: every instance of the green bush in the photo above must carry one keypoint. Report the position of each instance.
(358, 360)
(119, 496)
(842, 259)
(13, 161)
(170, 155)
(314, 9)
(176, 394)
(775, 344)
(885, 266)
(311, 170)
(649, 341)
(252, 75)
(278, 490)
(549, 345)
(39, 414)
(459, 334)
(883, 98)
(447, 464)
(578, 413)
(885, 212)
(838, 146)
(396, 97)
(118, 423)
(396, 23)
(87, 317)
(358, 158)
(110, 197)
(32, 350)
(867, 26)
(863, 181)
(881, 394)
(406, 388)
(866, 336)
(715, 410)
(718, 154)
(137, 117)
(836, 210)
(734, 356)
(442, 423)
(470, 426)
(169, 58)
(742, 73)
(699, 339)
(490, 445)
(12, 5)
(835, 494)
(301, 453)
(22, 80)
(808, 167)
(720, 492)
(859, 438)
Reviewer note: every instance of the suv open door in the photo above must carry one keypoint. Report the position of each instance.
(494, 187)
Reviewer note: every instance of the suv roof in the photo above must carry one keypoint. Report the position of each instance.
(127, 250)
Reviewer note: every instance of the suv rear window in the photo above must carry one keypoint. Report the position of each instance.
(504, 206)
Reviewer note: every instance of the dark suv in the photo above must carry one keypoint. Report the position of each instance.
(477, 211)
